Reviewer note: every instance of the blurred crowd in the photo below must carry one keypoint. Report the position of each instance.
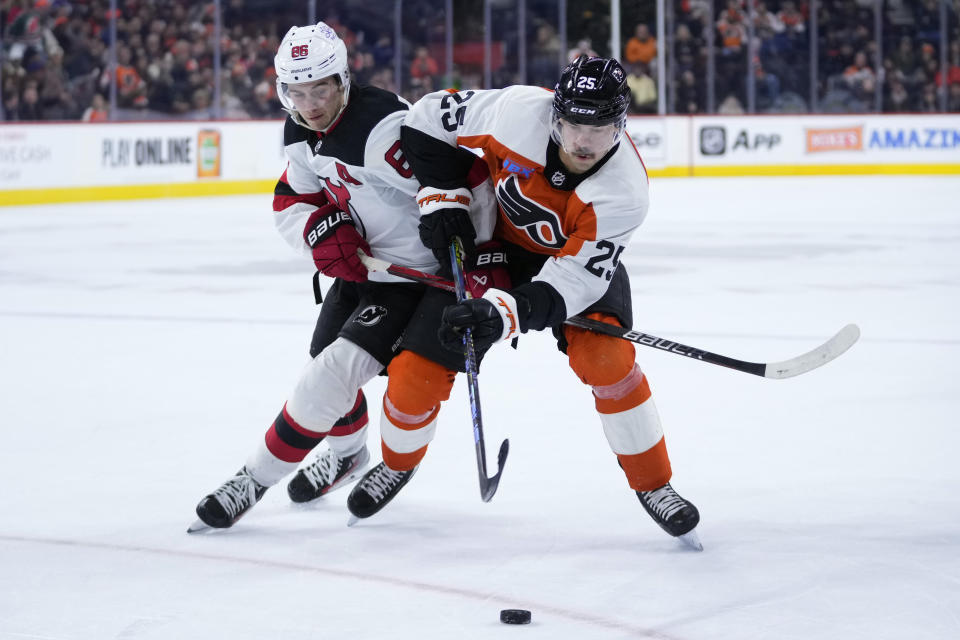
(56, 55)
(909, 78)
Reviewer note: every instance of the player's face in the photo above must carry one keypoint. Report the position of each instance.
(318, 102)
(583, 145)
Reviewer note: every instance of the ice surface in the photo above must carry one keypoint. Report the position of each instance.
(146, 346)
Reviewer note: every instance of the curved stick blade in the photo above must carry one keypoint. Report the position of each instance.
(489, 485)
(818, 357)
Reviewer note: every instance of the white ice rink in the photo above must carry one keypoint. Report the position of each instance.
(146, 346)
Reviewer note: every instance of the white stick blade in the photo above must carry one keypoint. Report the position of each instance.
(820, 356)
(371, 263)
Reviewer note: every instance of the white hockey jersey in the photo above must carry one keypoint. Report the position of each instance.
(359, 166)
(584, 221)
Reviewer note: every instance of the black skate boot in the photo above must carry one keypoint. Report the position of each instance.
(326, 473)
(377, 487)
(224, 506)
(675, 515)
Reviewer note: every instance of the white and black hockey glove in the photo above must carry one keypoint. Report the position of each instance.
(445, 213)
(493, 318)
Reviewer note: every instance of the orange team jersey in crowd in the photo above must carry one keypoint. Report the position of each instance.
(640, 51)
(583, 220)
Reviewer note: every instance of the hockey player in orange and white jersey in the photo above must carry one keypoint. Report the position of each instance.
(571, 191)
(347, 186)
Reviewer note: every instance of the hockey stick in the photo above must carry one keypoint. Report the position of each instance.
(829, 350)
(488, 485)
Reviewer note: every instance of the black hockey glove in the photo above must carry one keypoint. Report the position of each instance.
(444, 213)
(493, 318)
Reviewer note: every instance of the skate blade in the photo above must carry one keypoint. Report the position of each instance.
(352, 520)
(198, 526)
(691, 539)
(345, 480)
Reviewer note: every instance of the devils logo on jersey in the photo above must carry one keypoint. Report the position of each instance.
(371, 315)
(540, 223)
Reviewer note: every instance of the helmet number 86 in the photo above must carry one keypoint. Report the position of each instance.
(586, 82)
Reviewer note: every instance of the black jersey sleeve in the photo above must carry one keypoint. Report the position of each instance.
(434, 162)
(539, 306)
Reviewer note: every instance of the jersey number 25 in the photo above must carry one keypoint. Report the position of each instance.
(451, 119)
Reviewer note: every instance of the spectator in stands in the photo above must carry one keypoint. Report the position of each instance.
(928, 99)
(953, 99)
(688, 99)
(898, 100)
(423, 65)
(766, 24)
(383, 51)
(642, 47)
(544, 56)
(131, 89)
(265, 103)
(29, 108)
(687, 49)
(794, 24)
(97, 111)
(731, 106)
(56, 101)
(858, 72)
(904, 58)
(643, 90)
(11, 102)
(732, 29)
(584, 48)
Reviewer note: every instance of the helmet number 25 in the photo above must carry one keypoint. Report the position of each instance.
(586, 82)
(608, 251)
(453, 113)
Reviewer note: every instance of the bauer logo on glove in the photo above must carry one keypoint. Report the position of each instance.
(323, 226)
(333, 242)
(487, 268)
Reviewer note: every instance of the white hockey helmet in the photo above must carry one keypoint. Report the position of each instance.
(307, 54)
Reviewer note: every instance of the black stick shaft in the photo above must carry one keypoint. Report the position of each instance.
(488, 485)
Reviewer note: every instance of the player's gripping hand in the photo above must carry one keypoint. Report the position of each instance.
(487, 268)
(444, 213)
(493, 318)
(334, 241)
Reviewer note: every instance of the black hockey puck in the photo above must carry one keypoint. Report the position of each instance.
(515, 616)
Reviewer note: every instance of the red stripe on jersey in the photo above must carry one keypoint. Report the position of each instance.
(354, 420)
(296, 427)
(285, 196)
(644, 164)
(281, 449)
(478, 173)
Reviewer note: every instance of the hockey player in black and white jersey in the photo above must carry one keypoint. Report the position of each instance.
(347, 186)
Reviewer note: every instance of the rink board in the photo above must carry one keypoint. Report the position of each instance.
(68, 162)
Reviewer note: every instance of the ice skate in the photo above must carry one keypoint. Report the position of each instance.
(326, 473)
(222, 508)
(377, 487)
(674, 514)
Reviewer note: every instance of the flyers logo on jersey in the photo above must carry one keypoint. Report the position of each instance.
(540, 223)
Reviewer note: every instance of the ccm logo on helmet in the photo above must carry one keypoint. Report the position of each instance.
(582, 110)
(299, 51)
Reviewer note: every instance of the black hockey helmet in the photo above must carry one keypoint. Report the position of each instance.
(592, 91)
